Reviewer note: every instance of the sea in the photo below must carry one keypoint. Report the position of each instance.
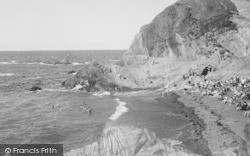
(55, 115)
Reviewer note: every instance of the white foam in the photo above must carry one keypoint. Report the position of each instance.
(42, 63)
(113, 60)
(6, 74)
(120, 109)
(38, 63)
(55, 90)
(102, 94)
(77, 87)
(12, 62)
(87, 62)
(29, 63)
(77, 64)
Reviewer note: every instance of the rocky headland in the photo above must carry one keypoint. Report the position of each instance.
(190, 35)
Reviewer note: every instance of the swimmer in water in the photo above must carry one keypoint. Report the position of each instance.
(53, 106)
(90, 111)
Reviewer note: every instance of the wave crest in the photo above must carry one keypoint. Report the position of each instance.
(6, 63)
(6, 74)
(120, 109)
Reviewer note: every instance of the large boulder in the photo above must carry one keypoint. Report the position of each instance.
(94, 77)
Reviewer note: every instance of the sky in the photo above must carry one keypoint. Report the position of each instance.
(74, 24)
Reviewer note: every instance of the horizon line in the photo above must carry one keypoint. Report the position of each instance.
(61, 50)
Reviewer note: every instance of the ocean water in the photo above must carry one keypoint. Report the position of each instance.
(28, 117)
(55, 115)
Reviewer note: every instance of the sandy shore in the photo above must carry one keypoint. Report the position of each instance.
(224, 126)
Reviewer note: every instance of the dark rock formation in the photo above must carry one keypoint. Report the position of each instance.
(71, 72)
(185, 29)
(35, 88)
(94, 77)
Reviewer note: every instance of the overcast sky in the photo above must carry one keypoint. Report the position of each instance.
(74, 24)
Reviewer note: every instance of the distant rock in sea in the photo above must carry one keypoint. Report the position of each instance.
(71, 72)
(35, 88)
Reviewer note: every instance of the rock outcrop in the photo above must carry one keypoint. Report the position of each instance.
(127, 141)
(94, 77)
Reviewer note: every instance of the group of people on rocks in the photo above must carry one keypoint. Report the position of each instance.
(233, 91)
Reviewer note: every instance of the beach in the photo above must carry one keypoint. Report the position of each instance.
(224, 126)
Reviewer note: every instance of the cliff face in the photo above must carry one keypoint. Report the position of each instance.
(188, 27)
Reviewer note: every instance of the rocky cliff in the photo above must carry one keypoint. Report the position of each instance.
(190, 34)
(188, 27)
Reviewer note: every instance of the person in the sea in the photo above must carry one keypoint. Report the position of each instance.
(90, 111)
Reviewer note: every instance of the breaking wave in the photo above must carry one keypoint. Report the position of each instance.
(102, 94)
(55, 90)
(120, 109)
(6, 74)
(38, 63)
(12, 62)
(113, 60)
(87, 62)
(78, 64)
